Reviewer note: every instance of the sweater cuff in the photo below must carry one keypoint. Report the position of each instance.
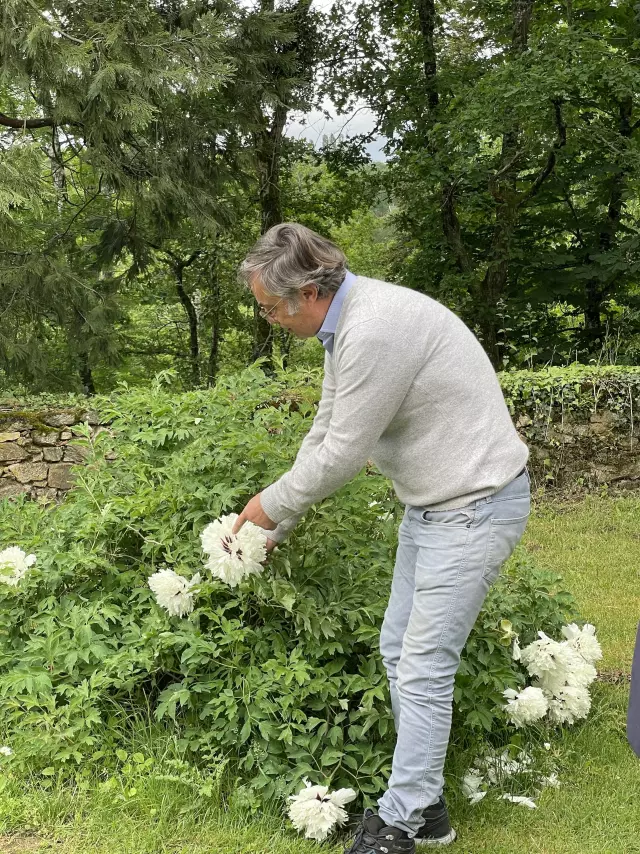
(271, 505)
(283, 530)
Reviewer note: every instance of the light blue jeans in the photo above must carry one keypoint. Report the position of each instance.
(445, 564)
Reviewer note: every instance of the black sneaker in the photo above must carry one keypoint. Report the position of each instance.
(436, 829)
(374, 837)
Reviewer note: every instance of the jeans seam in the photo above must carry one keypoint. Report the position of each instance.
(510, 520)
(436, 659)
(509, 498)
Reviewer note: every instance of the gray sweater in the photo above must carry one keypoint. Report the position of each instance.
(409, 387)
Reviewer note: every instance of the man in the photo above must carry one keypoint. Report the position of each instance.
(408, 386)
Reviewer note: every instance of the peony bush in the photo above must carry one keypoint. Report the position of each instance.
(133, 602)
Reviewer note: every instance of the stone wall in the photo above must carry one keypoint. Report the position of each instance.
(570, 450)
(579, 451)
(37, 451)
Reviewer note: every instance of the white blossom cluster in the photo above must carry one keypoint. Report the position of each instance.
(495, 768)
(562, 672)
(233, 557)
(316, 811)
(14, 564)
(173, 592)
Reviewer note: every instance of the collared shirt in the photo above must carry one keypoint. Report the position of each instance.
(328, 328)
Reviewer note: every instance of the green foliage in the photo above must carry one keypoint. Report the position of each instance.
(515, 158)
(133, 133)
(281, 675)
(557, 392)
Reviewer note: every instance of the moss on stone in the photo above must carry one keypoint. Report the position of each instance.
(36, 417)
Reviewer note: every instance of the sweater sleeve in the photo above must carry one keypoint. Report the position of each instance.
(311, 441)
(374, 371)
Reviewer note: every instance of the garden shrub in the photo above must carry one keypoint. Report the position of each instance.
(281, 676)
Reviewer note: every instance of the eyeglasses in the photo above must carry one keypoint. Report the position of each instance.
(267, 313)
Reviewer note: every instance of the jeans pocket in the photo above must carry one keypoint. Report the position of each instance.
(462, 517)
(504, 536)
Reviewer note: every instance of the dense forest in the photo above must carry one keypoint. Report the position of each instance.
(146, 144)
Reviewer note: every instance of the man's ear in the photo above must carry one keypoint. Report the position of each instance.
(309, 293)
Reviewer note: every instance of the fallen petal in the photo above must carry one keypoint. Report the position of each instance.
(520, 799)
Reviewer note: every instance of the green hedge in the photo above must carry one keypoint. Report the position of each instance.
(579, 389)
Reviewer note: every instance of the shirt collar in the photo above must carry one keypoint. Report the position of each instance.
(328, 328)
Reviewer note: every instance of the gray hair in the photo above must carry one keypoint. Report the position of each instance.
(290, 256)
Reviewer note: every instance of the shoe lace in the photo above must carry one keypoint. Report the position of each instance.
(365, 843)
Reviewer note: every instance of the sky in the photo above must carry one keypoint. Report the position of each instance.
(313, 126)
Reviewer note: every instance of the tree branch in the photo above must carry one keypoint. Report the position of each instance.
(547, 169)
(578, 232)
(176, 261)
(76, 215)
(25, 124)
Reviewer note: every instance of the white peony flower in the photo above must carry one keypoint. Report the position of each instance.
(232, 557)
(551, 661)
(14, 564)
(545, 656)
(527, 706)
(582, 674)
(173, 592)
(472, 786)
(5, 751)
(315, 810)
(520, 799)
(584, 641)
(570, 704)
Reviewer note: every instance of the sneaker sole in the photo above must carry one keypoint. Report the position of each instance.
(442, 840)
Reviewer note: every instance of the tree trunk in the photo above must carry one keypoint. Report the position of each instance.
(450, 224)
(269, 153)
(268, 146)
(451, 228)
(593, 328)
(212, 364)
(88, 386)
(285, 339)
(492, 287)
(268, 156)
(595, 288)
(78, 334)
(194, 349)
(502, 187)
(427, 17)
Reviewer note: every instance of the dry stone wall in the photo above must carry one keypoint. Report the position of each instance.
(570, 450)
(583, 451)
(37, 451)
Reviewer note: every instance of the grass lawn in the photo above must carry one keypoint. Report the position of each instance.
(595, 545)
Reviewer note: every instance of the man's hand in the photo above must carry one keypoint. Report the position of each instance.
(253, 512)
(271, 544)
